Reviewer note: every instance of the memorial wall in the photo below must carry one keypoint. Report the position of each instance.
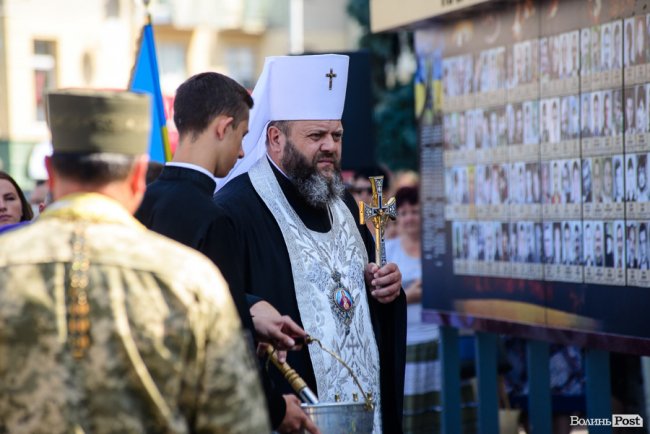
(535, 138)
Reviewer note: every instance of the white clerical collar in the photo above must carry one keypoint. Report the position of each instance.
(276, 166)
(191, 166)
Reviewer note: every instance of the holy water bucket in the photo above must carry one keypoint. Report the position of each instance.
(341, 417)
(330, 417)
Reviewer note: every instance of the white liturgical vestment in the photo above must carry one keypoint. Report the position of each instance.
(328, 275)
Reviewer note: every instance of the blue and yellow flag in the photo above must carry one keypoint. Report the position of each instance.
(145, 78)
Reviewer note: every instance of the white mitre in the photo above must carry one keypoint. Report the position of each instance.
(292, 88)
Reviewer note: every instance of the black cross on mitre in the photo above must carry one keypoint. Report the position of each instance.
(331, 75)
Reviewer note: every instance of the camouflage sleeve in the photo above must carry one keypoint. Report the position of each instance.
(230, 393)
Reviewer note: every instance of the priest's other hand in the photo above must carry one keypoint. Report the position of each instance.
(295, 419)
(275, 329)
(262, 350)
(385, 283)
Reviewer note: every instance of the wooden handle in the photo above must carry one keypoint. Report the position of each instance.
(295, 380)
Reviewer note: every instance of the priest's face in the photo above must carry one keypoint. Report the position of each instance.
(320, 143)
(311, 157)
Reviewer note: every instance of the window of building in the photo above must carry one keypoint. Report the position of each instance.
(172, 61)
(240, 62)
(44, 64)
(112, 8)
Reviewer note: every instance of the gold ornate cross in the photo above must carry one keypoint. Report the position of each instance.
(331, 75)
(379, 215)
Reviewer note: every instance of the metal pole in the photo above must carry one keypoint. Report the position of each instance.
(486, 367)
(598, 389)
(296, 27)
(539, 395)
(450, 364)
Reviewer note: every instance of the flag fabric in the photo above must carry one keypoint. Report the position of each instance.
(145, 78)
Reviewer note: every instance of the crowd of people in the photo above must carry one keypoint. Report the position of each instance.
(121, 329)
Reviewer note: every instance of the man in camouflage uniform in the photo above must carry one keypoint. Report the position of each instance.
(106, 327)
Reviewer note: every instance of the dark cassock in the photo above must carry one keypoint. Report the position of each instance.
(179, 205)
(271, 254)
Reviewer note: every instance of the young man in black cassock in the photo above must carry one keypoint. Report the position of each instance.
(211, 113)
(289, 234)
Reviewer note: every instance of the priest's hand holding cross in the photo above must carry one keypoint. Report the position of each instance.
(385, 279)
(385, 282)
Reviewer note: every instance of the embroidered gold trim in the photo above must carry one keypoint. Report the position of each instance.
(77, 297)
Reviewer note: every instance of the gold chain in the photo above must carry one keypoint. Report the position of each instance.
(77, 297)
(370, 405)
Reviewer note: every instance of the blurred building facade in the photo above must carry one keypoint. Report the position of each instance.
(92, 43)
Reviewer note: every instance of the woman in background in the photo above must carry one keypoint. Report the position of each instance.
(14, 207)
(404, 250)
(422, 377)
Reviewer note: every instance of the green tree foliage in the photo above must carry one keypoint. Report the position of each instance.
(394, 116)
(397, 143)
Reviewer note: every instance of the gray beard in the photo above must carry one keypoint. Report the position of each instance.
(317, 189)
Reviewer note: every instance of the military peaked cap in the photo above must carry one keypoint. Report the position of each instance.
(89, 121)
